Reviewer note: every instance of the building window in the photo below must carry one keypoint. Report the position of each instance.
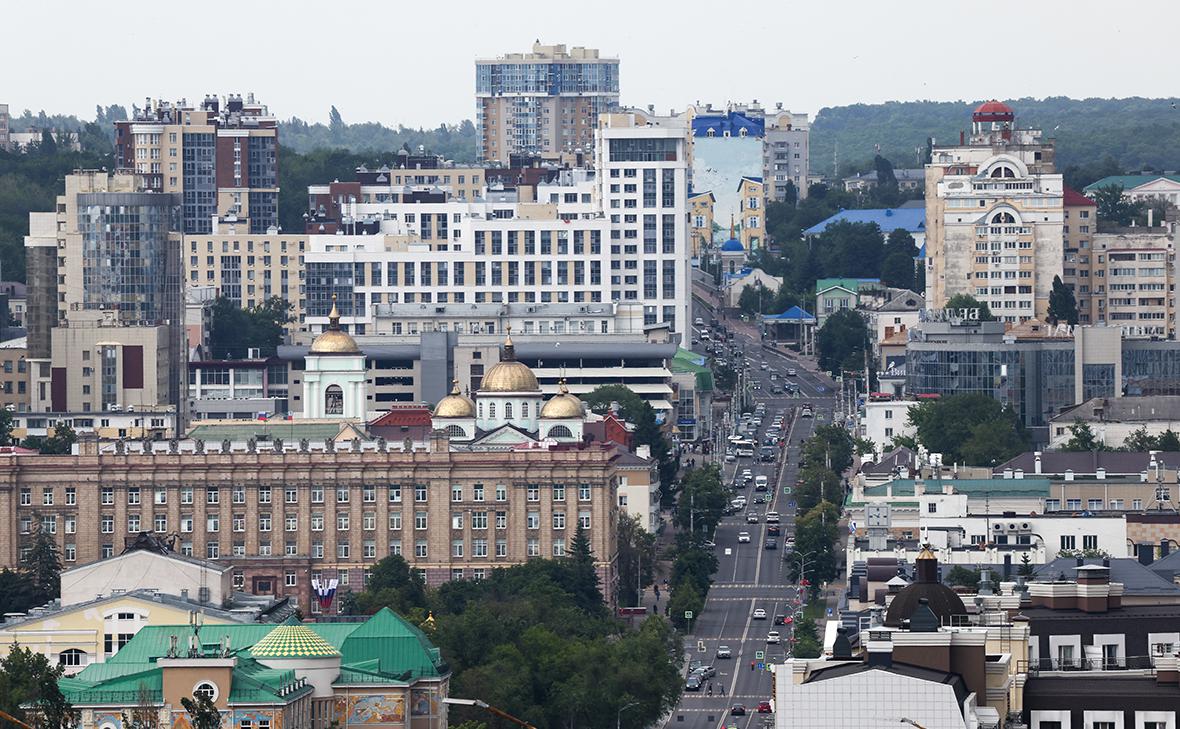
(291, 496)
(1068, 541)
(333, 400)
(395, 494)
(584, 519)
(420, 493)
(395, 520)
(342, 550)
(477, 492)
(558, 547)
(533, 520)
(420, 549)
(71, 658)
(456, 493)
(534, 548)
(368, 494)
(558, 492)
(534, 492)
(559, 520)
(289, 578)
(1089, 541)
(206, 689)
(420, 521)
(501, 492)
(584, 492)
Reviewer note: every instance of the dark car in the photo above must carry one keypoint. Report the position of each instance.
(693, 683)
(772, 529)
(737, 710)
(780, 619)
(772, 543)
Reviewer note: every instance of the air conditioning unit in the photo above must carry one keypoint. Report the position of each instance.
(998, 527)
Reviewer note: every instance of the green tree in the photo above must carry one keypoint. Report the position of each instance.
(1168, 441)
(202, 713)
(969, 428)
(807, 643)
(1062, 305)
(392, 584)
(963, 577)
(1082, 438)
(42, 564)
(685, 598)
(583, 574)
(967, 301)
(17, 592)
(6, 425)
(1114, 207)
(898, 270)
(640, 413)
(843, 341)
(235, 330)
(701, 501)
(637, 558)
(1140, 441)
(29, 690)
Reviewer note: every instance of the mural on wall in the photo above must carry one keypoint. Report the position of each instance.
(108, 720)
(255, 719)
(718, 165)
(181, 719)
(423, 702)
(376, 709)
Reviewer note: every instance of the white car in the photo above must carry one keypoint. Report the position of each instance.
(791, 372)
(699, 322)
(743, 537)
(772, 517)
(759, 614)
(761, 481)
(773, 637)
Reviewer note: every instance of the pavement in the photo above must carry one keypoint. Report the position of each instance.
(748, 575)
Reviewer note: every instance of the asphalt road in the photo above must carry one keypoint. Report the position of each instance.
(748, 575)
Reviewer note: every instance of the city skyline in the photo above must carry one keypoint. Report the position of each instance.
(753, 63)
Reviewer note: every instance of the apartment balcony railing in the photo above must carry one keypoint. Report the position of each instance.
(1120, 663)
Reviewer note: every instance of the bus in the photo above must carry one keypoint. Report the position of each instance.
(744, 448)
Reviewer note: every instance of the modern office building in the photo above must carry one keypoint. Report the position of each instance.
(220, 157)
(105, 294)
(1038, 370)
(995, 217)
(543, 103)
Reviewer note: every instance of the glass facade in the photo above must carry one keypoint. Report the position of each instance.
(548, 78)
(1098, 381)
(643, 150)
(264, 211)
(200, 182)
(1151, 368)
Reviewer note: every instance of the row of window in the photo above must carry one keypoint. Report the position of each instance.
(266, 495)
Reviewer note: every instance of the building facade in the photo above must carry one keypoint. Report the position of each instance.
(544, 102)
(752, 204)
(995, 217)
(220, 157)
(4, 127)
(14, 377)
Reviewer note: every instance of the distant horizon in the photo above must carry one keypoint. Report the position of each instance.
(415, 65)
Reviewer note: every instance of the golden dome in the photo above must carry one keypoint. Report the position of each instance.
(332, 340)
(926, 553)
(508, 375)
(563, 405)
(454, 405)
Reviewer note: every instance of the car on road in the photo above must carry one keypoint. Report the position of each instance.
(780, 619)
(705, 672)
(776, 390)
(759, 614)
(723, 651)
(791, 372)
(771, 543)
(730, 456)
(699, 322)
(774, 637)
(761, 483)
(743, 537)
(747, 474)
(751, 517)
(789, 543)
(693, 683)
(764, 707)
(759, 499)
(767, 453)
(772, 517)
(737, 710)
(772, 530)
(806, 412)
(763, 366)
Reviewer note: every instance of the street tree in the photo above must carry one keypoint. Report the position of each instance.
(637, 557)
(843, 341)
(640, 413)
(967, 301)
(42, 565)
(202, 713)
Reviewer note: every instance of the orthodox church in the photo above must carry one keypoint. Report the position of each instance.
(508, 410)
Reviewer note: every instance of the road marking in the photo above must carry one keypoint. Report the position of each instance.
(741, 649)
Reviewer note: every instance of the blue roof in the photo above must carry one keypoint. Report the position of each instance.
(888, 220)
(732, 122)
(733, 244)
(922, 252)
(792, 314)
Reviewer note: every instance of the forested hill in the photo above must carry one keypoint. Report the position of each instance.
(1137, 133)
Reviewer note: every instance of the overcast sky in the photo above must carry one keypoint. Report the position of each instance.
(407, 62)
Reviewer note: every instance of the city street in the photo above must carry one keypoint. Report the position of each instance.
(749, 576)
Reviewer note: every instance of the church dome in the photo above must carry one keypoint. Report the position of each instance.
(454, 405)
(508, 375)
(563, 405)
(732, 245)
(993, 111)
(332, 340)
(926, 590)
(293, 641)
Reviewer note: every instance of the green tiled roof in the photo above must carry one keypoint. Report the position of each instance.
(395, 644)
(1010, 487)
(686, 361)
(1127, 182)
(290, 431)
(293, 641)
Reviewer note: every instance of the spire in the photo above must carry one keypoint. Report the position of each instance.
(509, 349)
(455, 387)
(334, 316)
(732, 230)
(562, 388)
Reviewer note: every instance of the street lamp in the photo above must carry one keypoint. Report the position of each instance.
(619, 716)
(488, 708)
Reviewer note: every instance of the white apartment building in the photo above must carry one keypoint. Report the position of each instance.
(617, 233)
(994, 217)
(886, 420)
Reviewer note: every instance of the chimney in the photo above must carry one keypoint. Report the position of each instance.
(1037, 456)
(880, 651)
(1100, 474)
(1007, 473)
(1081, 562)
(1069, 474)
(1020, 473)
(1165, 548)
(1150, 217)
(1145, 551)
(842, 647)
(962, 137)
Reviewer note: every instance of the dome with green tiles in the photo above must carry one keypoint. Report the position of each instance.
(293, 641)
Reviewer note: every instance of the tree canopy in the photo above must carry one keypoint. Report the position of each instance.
(236, 330)
(634, 409)
(1063, 307)
(1114, 207)
(1082, 438)
(842, 341)
(27, 679)
(971, 428)
(967, 301)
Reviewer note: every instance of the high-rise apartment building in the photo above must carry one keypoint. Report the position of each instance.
(994, 217)
(105, 298)
(614, 233)
(545, 102)
(1080, 223)
(220, 156)
(786, 154)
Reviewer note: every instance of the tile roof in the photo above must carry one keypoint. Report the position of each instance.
(293, 641)
(1073, 198)
(1127, 182)
(912, 220)
(412, 415)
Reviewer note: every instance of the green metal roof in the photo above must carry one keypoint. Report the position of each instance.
(1016, 487)
(395, 644)
(288, 430)
(686, 361)
(1127, 182)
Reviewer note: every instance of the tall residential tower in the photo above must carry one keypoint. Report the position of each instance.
(542, 103)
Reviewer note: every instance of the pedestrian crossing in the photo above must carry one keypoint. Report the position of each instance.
(749, 585)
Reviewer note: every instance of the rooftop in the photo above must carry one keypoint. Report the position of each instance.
(1137, 579)
(1124, 409)
(1127, 182)
(1115, 462)
(912, 220)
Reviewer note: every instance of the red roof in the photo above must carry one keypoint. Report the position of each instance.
(410, 415)
(1074, 199)
(993, 111)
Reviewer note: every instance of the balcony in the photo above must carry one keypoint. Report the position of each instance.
(1144, 664)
